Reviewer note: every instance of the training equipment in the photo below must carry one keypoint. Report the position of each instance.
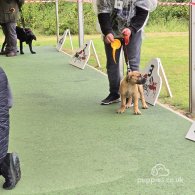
(115, 45)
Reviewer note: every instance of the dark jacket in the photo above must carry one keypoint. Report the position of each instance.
(4, 114)
(114, 16)
(9, 10)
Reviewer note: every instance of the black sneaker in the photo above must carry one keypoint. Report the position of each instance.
(10, 169)
(111, 99)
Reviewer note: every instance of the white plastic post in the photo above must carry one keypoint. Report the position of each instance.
(192, 58)
(80, 22)
(121, 64)
(95, 53)
(57, 21)
(63, 39)
(163, 75)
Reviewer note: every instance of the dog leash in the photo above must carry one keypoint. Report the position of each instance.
(22, 18)
(125, 43)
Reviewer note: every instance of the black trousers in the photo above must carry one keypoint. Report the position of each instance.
(9, 30)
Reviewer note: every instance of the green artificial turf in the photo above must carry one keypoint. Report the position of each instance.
(69, 144)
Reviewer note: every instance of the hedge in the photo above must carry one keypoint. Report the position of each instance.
(41, 16)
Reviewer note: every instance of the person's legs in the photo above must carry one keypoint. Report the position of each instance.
(9, 162)
(1, 160)
(10, 170)
(3, 26)
(4, 115)
(133, 50)
(113, 72)
(9, 30)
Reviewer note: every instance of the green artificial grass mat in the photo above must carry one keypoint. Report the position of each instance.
(69, 144)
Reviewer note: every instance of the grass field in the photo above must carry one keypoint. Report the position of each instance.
(171, 48)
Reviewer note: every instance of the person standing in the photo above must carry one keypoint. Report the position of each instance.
(9, 13)
(124, 20)
(9, 162)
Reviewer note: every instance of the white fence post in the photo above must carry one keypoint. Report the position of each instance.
(57, 21)
(192, 58)
(80, 22)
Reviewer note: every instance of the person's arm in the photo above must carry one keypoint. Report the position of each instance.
(143, 8)
(105, 23)
(104, 8)
(138, 21)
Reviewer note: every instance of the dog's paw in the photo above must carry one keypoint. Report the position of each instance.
(33, 52)
(129, 105)
(120, 111)
(137, 112)
(145, 106)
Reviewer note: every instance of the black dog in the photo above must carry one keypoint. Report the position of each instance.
(24, 35)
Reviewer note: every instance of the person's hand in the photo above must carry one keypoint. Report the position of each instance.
(109, 38)
(126, 35)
